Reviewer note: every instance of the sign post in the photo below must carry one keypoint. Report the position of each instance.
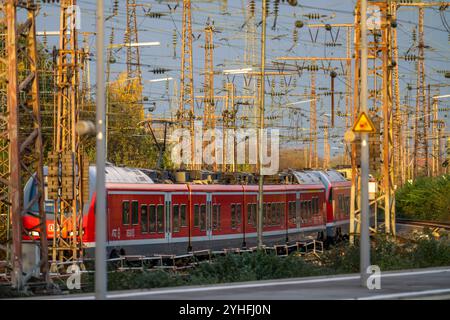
(362, 126)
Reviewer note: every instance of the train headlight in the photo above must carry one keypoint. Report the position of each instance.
(35, 233)
(70, 233)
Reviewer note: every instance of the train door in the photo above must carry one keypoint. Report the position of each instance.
(167, 217)
(209, 220)
(179, 217)
(199, 214)
(298, 210)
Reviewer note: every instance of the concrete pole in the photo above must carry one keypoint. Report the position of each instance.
(100, 223)
(365, 237)
(261, 126)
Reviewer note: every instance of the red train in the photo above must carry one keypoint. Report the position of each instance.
(148, 215)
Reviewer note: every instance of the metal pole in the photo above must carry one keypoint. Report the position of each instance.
(14, 146)
(100, 223)
(365, 240)
(261, 125)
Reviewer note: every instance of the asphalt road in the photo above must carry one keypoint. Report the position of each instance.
(431, 283)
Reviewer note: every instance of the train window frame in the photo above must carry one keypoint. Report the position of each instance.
(135, 213)
(147, 226)
(183, 215)
(176, 218)
(202, 217)
(126, 213)
(196, 215)
(152, 213)
(160, 214)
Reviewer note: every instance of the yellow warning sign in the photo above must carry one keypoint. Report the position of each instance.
(363, 124)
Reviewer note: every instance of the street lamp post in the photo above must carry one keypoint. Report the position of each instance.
(100, 217)
(261, 126)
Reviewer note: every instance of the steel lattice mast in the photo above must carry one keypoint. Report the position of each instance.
(68, 167)
(21, 152)
(186, 112)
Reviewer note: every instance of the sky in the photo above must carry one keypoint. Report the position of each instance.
(229, 20)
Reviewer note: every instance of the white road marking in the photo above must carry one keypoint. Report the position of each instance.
(405, 294)
(261, 285)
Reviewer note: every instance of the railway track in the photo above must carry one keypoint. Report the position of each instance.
(424, 223)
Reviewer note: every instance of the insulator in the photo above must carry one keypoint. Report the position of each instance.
(154, 15)
(251, 7)
(328, 27)
(312, 16)
(276, 4)
(267, 6)
(414, 35)
(116, 7)
(295, 36)
(333, 44)
(410, 57)
(174, 42)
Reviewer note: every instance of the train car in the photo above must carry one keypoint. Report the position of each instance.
(147, 216)
(338, 190)
(30, 220)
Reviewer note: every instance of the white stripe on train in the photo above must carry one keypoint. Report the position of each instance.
(214, 237)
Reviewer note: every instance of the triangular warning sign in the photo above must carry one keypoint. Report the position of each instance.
(363, 124)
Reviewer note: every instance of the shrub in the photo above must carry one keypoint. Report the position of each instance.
(425, 199)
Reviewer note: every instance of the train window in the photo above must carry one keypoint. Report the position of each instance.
(152, 218)
(282, 213)
(238, 214)
(160, 218)
(216, 217)
(203, 217)
(249, 214)
(309, 208)
(233, 216)
(255, 212)
(126, 212)
(347, 205)
(144, 219)
(315, 205)
(291, 211)
(196, 216)
(275, 209)
(176, 218)
(183, 215)
(135, 213)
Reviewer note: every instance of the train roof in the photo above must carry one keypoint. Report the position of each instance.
(126, 175)
(305, 177)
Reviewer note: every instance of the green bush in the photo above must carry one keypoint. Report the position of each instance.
(425, 199)
(386, 252)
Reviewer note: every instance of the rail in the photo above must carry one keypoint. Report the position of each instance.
(425, 223)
